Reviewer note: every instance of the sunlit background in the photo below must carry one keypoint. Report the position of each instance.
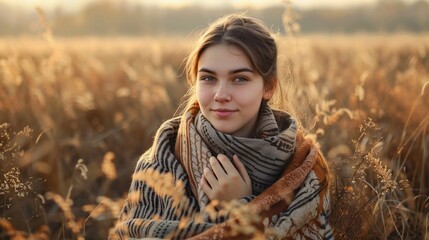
(169, 17)
(302, 4)
(84, 85)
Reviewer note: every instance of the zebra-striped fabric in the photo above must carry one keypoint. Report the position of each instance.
(290, 194)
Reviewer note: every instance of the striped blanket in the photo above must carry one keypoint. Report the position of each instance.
(289, 181)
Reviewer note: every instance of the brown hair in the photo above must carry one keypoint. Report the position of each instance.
(248, 34)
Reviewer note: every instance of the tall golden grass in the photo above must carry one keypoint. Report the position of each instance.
(75, 115)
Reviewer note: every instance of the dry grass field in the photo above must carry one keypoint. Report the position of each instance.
(75, 115)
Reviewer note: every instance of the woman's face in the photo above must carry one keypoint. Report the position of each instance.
(229, 90)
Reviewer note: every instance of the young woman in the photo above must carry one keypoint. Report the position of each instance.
(229, 146)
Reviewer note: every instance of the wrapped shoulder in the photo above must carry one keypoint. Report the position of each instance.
(162, 149)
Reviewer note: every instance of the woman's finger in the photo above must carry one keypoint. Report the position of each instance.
(227, 165)
(217, 168)
(206, 186)
(209, 177)
(241, 169)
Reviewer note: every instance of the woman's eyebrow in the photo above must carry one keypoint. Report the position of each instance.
(207, 71)
(244, 69)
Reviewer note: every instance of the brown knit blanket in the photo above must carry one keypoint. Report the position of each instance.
(289, 180)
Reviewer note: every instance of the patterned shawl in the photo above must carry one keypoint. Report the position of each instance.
(289, 180)
(264, 156)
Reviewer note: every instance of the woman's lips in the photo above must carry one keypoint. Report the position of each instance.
(223, 113)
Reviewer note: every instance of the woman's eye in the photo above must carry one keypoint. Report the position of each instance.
(240, 79)
(207, 78)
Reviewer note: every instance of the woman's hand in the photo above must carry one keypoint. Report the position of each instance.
(226, 181)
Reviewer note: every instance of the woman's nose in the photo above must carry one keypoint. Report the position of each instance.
(222, 93)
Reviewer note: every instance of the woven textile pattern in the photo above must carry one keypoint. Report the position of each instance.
(288, 173)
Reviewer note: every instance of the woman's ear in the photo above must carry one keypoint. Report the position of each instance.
(268, 94)
(268, 91)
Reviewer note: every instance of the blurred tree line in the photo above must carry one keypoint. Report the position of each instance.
(107, 18)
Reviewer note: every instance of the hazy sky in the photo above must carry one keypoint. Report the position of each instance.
(76, 4)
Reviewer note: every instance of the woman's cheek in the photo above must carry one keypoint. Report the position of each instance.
(203, 96)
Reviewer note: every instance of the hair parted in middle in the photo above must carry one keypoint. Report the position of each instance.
(247, 33)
